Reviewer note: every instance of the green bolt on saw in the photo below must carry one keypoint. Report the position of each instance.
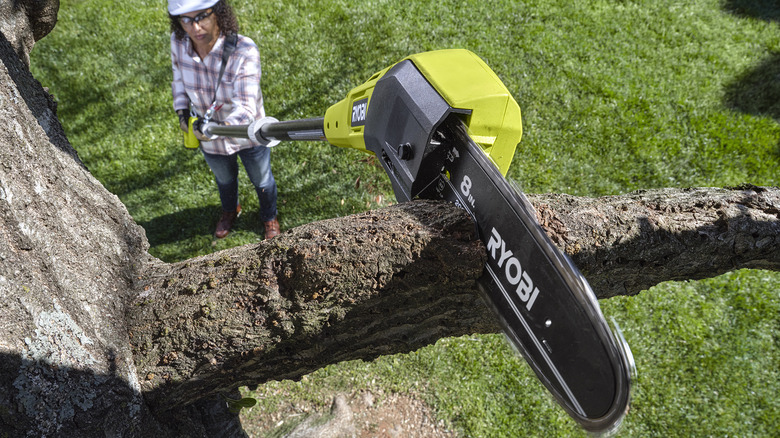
(444, 126)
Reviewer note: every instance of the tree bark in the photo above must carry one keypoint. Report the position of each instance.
(285, 308)
(25, 22)
(99, 338)
(68, 253)
(377, 283)
(626, 244)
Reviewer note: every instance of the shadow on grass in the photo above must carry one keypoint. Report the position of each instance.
(762, 9)
(181, 225)
(193, 222)
(757, 91)
(174, 161)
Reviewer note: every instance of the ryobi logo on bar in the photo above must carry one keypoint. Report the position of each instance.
(514, 274)
(359, 108)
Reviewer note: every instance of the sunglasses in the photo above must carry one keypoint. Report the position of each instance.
(188, 21)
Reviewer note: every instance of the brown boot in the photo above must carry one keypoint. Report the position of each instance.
(226, 222)
(271, 229)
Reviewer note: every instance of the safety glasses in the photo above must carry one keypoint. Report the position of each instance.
(189, 21)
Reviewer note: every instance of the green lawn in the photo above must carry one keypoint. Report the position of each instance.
(616, 96)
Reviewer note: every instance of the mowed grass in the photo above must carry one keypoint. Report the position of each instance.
(616, 96)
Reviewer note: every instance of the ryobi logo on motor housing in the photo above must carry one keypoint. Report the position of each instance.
(359, 108)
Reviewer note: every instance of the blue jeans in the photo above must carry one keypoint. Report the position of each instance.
(257, 162)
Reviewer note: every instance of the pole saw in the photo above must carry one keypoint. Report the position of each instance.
(444, 126)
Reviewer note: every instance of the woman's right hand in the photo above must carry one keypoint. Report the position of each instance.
(183, 120)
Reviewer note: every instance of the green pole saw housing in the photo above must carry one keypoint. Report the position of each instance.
(462, 81)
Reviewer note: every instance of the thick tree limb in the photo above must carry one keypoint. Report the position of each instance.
(27, 21)
(397, 279)
(625, 244)
(378, 283)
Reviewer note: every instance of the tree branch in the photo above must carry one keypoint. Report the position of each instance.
(359, 287)
(400, 278)
(626, 244)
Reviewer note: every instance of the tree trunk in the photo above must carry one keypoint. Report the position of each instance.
(99, 338)
(68, 253)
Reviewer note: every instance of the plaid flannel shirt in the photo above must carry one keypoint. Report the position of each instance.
(239, 94)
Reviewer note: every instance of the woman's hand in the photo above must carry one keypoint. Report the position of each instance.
(201, 130)
(199, 135)
(183, 120)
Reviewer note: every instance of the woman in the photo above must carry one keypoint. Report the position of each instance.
(199, 29)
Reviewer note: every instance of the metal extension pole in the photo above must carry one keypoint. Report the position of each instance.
(239, 131)
(301, 130)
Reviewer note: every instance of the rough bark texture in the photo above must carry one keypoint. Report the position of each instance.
(65, 245)
(23, 22)
(625, 244)
(352, 288)
(69, 252)
(97, 338)
(286, 308)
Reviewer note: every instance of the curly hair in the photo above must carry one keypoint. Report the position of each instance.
(226, 20)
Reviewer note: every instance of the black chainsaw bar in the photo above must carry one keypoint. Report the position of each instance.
(547, 309)
(545, 305)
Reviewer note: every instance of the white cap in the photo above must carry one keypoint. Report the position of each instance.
(178, 7)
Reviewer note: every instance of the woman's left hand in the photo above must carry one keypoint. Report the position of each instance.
(199, 135)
